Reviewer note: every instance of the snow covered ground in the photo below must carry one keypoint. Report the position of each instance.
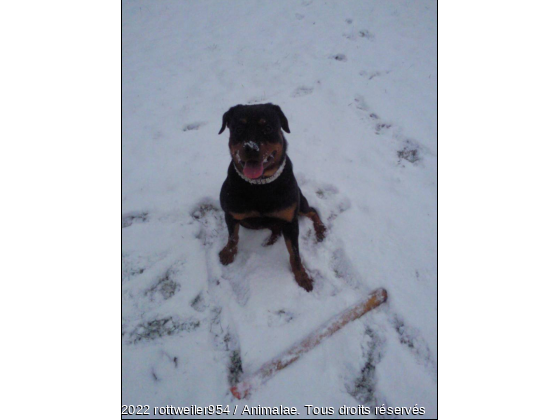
(357, 81)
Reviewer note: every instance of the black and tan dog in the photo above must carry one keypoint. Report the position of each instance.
(260, 190)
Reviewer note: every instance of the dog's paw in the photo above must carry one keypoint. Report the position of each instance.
(303, 279)
(320, 231)
(272, 239)
(227, 255)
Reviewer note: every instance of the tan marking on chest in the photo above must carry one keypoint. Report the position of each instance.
(286, 214)
(241, 216)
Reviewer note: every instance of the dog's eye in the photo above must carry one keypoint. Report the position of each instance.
(267, 129)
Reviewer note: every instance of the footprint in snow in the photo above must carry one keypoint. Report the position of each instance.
(164, 366)
(165, 287)
(199, 303)
(360, 103)
(211, 220)
(342, 268)
(161, 327)
(412, 339)
(133, 217)
(237, 276)
(364, 387)
(133, 265)
(213, 231)
(302, 91)
(193, 126)
(372, 74)
(280, 317)
(326, 191)
(410, 152)
(330, 204)
(225, 339)
(382, 127)
(364, 33)
(339, 57)
(256, 100)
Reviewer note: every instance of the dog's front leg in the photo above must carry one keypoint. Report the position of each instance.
(227, 254)
(291, 233)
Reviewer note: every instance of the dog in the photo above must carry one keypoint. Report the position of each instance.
(261, 191)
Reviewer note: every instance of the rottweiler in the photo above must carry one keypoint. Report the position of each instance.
(261, 191)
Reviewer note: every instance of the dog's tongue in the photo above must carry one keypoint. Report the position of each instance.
(253, 169)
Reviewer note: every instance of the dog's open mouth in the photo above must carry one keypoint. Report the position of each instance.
(254, 169)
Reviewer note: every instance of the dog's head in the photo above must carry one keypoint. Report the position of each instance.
(256, 142)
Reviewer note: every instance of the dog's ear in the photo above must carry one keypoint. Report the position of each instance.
(225, 120)
(283, 119)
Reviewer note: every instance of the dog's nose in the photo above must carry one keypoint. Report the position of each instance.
(251, 149)
(251, 146)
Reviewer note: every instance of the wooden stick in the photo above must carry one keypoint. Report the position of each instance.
(243, 389)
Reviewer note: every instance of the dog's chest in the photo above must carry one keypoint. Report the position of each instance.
(287, 214)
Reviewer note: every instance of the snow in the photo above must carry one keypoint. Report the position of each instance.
(357, 82)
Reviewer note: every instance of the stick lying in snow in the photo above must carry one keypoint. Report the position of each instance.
(243, 389)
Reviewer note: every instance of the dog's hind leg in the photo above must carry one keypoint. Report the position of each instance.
(276, 233)
(306, 210)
